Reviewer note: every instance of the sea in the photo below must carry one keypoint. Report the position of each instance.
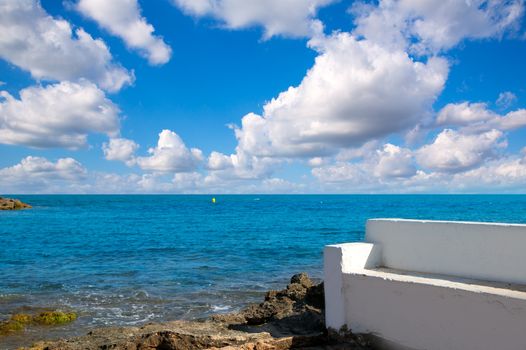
(129, 260)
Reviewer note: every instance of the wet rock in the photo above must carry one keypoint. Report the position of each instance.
(19, 322)
(292, 318)
(54, 317)
(16, 323)
(12, 204)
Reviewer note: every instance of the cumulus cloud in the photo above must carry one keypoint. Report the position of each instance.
(506, 174)
(356, 91)
(59, 115)
(120, 149)
(219, 161)
(170, 155)
(123, 18)
(50, 49)
(465, 113)
(435, 25)
(477, 117)
(394, 161)
(240, 165)
(63, 168)
(293, 18)
(387, 163)
(453, 151)
(35, 174)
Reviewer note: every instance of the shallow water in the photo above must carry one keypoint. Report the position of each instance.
(125, 260)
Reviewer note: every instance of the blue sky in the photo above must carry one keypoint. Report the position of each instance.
(180, 96)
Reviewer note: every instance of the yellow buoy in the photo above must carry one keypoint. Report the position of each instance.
(213, 199)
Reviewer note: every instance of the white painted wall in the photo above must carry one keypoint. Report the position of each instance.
(487, 251)
(420, 310)
(340, 259)
(424, 316)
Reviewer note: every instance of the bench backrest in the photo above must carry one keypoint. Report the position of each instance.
(486, 251)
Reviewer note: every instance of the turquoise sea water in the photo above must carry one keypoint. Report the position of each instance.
(122, 260)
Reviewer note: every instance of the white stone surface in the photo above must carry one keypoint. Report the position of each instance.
(340, 259)
(487, 251)
(469, 291)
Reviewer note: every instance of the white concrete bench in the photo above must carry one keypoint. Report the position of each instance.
(431, 284)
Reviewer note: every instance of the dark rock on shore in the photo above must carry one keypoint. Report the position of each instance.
(12, 204)
(292, 318)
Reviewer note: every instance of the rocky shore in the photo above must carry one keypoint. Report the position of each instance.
(292, 318)
(12, 204)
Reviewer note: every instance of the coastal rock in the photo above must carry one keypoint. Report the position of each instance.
(294, 310)
(302, 279)
(12, 204)
(292, 318)
(19, 322)
(170, 335)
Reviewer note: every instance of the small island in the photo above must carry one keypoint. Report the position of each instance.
(12, 204)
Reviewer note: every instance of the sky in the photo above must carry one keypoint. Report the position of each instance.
(262, 96)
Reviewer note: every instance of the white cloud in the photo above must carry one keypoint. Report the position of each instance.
(435, 25)
(50, 49)
(278, 185)
(501, 175)
(188, 181)
(63, 168)
(219, 161)
(123, 19)
(240, 165)
(394, 161)
(477, 117)
(59, 115)
(171, 155)
(465, 113)
(385, 164)
(355, 92)
(316, 162)
(278, 17)
(363, 151)
(512, 120)
(506, 99)
(507, 173)
(453, 151)
(36, 174)
(351, 173)
(120, 149)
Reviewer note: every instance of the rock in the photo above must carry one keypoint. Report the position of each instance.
(276, 308)
(12, 204)
(315, 296)
(292, 318)
(171, 335)
(19, 322)
(16, 323)
(303, 279)
(54, 317)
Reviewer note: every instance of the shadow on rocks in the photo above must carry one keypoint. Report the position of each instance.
(297, 312)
